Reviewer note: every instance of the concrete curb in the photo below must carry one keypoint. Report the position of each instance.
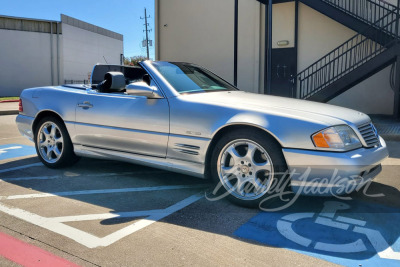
(8, 101)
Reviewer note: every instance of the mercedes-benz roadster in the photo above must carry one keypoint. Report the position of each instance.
(183, 118)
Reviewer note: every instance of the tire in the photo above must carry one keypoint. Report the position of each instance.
(247, 178)
(53, 144)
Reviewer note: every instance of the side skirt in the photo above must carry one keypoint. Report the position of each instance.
(174, 165)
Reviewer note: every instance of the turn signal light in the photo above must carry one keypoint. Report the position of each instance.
(320, 141)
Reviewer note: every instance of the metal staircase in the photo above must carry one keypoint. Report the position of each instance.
(355, 14)
(372, 49)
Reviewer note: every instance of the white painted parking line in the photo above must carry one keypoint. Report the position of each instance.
(29, 178)
(149, 220)
(351, 221)
(379, 243)
(90, 240)
(4, 150)
(103, 216)
(104, 191)
(78, 176)
(17, 137)
(124, 173)
(21, 167)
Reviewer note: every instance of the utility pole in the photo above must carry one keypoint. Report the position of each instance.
(146, 30)
(398, 18)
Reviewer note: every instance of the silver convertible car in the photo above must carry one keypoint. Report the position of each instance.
(183, 118)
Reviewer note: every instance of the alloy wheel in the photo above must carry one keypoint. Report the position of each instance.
(245, 169)
(50, 142)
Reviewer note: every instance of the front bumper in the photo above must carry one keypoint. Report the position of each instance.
(326, 173)
(24, 124)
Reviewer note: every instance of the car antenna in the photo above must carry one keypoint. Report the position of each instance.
(105, 59)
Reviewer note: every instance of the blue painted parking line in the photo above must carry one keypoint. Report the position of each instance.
(350, 233)
(10, 151)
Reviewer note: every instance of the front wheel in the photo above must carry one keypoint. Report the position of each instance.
(53, 144)
(244, 166)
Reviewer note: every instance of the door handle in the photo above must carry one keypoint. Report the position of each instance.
(277, 71)
(85, 104)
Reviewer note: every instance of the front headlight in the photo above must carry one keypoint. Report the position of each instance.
(336, 138)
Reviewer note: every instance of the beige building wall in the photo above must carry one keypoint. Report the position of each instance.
(393, 2)
(372, 96)
(317, 36)
(249, 45)
(283, 24)
(202, 32)
(199, 32)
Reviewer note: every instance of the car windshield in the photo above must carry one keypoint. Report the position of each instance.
(188, 78)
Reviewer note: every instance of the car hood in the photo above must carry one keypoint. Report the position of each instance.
(308, 110)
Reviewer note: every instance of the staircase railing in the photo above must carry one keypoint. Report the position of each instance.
(368, 11)
(348, 56)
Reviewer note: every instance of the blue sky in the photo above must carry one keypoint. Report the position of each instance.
(122, 16)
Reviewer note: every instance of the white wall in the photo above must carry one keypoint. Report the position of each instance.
(83, 49)
(25, 61)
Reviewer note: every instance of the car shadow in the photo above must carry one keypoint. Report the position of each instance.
(377, 204)
(394, 149)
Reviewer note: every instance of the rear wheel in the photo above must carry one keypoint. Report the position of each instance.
(244, 166)
(53, 144)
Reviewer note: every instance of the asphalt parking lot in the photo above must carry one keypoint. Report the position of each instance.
(106, 213)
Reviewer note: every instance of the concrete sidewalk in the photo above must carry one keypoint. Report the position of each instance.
(8, 108)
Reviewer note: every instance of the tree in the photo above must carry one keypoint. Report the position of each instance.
(133, 61)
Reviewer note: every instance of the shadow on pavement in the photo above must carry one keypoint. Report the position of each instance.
(221, 217)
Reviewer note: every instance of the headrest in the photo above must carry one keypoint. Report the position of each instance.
(114, 81)
(147, 79)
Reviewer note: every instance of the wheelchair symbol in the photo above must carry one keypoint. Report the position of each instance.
(327, 217)
(5, 150)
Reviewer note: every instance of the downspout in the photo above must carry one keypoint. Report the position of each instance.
(396, 104)
(58, 54)
(268, 47)
(296, 45)
(397, 18)
(51, 53)
(235, 43)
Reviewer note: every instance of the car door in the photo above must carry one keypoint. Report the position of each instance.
(120, 122)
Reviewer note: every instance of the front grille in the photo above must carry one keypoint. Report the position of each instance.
(369, 134)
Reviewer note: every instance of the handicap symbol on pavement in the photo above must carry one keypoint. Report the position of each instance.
(348, 233)
(325, 217)
(10, 151)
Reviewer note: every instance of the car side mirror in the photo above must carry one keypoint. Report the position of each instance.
(142, 89)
